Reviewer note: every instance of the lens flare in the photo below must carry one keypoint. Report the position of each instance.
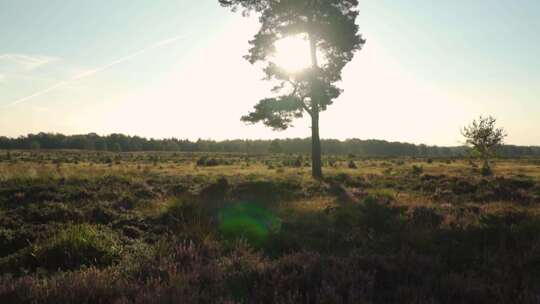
(249, 221)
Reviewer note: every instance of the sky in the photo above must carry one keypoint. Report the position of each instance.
(174, 68)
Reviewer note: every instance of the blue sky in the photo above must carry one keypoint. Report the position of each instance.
(167, 68)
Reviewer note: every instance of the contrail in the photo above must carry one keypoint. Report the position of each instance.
(97, 70)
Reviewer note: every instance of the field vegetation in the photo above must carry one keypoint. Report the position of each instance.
(143, 227)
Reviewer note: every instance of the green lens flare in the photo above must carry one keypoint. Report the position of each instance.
(249, 221)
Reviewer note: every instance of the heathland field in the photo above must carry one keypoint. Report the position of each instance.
(89, 227)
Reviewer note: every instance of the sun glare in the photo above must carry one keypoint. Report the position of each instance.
(292, 53)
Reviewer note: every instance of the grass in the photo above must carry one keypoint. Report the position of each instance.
(82, 227)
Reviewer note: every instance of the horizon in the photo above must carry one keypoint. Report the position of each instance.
(175, 69)
(232, 139)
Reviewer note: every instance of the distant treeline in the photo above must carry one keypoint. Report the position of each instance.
(124, 143)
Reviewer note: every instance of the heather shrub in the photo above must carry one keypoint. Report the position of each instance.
(307, 231)
(47, 212)
(370, 225)
(86, 286)
(188, 219)
(310, 278)
(346, 179)
(242, 271)
(7, 239)
(267, 191)
(181, 210)
(379, 218)
(206, 161)
(295, 162)
(217, 190)
(424, 217)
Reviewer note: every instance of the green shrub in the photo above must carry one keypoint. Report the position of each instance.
(383, 194)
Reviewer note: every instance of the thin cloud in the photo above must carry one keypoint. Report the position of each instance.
(93, 72)
(26, 62)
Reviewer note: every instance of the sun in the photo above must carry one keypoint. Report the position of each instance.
(292, 53)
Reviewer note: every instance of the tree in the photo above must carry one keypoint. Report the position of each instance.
(116, 147)
(484, 138)
(34, 145)
(329, 27)
(275, 147)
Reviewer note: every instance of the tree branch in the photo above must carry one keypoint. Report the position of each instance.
(302, 98)
(306, 108)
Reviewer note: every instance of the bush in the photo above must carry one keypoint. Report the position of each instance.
(332, 163)
(298, 162)
(205, 161)
(426, 217)
(486, 171)
(181, 210)
(417, 170)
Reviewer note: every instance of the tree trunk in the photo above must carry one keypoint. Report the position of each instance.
(316, 163)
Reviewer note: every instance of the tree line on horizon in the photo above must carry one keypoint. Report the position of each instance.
(358, 147)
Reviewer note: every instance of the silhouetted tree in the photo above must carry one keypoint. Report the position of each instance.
(484, 138)
(330, 28)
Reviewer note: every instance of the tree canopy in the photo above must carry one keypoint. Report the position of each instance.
(484, 137)
(330, 27)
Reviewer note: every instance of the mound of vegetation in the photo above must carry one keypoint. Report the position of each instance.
(69, 248)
